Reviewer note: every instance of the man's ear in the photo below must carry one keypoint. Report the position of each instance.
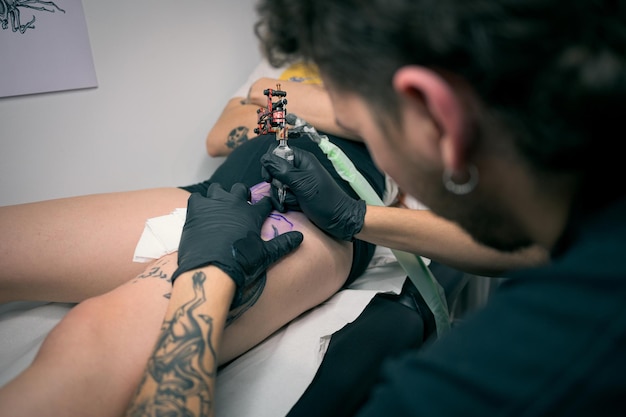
(443, 106)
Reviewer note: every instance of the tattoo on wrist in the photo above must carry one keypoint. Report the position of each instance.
(237, 136)
(183, 365)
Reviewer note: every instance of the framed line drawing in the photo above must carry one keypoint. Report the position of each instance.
(45, 47)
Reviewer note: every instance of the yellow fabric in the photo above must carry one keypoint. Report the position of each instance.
(303, 73)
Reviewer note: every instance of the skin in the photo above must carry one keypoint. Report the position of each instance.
(70, 249)
(111, 336)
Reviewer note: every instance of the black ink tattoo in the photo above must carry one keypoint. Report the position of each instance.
(237, 137)
(154, 272)
(183, 363)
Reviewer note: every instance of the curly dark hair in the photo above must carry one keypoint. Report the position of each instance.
(553, 72)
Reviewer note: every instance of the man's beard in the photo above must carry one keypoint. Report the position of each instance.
(483, 218)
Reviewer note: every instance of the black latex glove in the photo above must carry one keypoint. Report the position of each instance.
(223, 229)
(316, 193)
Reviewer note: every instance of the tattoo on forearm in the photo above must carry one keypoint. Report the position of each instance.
(183, 364)
(237, 136)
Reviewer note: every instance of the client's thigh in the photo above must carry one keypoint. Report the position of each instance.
(73, 248)
(298, 282)
(92, 361)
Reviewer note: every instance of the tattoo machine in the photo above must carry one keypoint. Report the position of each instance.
(272, 120)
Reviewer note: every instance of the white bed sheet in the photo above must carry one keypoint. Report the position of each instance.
(23, 327)
(266, 381)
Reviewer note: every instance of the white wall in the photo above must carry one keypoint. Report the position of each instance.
(165, 70)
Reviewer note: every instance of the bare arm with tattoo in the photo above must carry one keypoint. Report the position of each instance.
(221, 257)
(239, 118)
(180, 376)
(234, 127)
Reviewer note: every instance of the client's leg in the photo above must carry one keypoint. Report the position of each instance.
(71, 249)
(92, 361)
(295, 284)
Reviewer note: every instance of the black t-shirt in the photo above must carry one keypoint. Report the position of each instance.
(550, 342)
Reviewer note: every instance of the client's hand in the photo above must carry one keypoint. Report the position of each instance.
(316, 194)
(223, 229)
